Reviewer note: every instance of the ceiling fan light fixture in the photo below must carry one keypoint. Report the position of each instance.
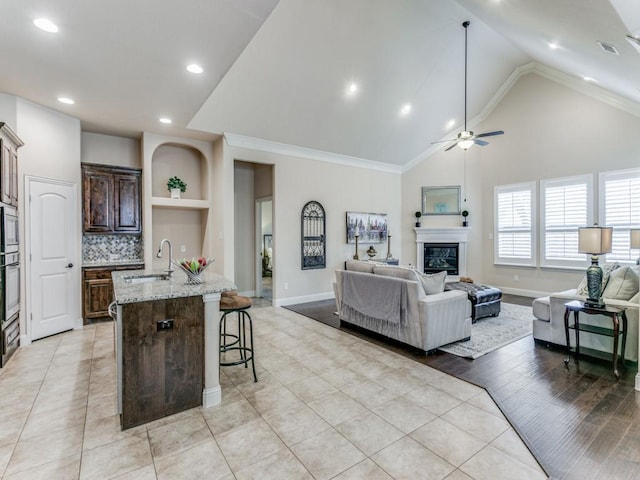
(466, 144)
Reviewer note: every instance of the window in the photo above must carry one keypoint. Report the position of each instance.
(514, 230)
(620, 209)
(567, 203)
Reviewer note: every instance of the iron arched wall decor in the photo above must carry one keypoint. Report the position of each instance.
(313, 226)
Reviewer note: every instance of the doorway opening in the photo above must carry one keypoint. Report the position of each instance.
(255, 257)
(264, 216)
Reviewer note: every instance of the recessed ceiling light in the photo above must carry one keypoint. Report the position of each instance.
(46, 25)
(451, 123)
(406, 109)
(66, 100)
(165, 120)
(352, 89)
(589, 79)
(195, 68)
(553, 45)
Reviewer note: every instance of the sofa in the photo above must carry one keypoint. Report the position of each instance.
(393, 301)
(620, 290)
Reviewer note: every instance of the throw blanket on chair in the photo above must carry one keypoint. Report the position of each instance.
(375, 302)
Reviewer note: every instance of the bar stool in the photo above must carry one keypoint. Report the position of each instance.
(231, 302)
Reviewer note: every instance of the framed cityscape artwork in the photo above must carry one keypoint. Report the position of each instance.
(370, 227)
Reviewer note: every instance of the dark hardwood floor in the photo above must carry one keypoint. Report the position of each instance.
(577, 420)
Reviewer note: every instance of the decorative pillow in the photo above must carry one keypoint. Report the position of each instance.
(622, 285)
(583, 288)
(359, 266)
(433, 283)
(397, 272)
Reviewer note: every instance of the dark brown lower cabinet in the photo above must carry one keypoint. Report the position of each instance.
(97, 291)
(162, 358)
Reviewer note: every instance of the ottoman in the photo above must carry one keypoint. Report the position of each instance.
(485, 300)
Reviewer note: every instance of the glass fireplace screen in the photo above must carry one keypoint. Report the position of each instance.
(441, 256)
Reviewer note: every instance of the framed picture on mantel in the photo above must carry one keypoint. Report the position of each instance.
(441, 200)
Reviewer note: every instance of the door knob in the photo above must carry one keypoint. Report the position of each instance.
(69, 266)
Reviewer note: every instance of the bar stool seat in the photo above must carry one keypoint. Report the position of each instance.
(231, 302)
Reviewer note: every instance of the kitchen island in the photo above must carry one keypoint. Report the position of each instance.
(167, 343)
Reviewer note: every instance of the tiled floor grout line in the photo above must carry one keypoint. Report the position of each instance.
(269, 335)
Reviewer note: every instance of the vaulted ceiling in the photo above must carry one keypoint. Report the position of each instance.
(279, 70)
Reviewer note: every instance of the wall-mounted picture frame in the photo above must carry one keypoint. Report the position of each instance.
(371, 227)
(441, 200)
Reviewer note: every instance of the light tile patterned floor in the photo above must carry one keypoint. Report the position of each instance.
(327, 405)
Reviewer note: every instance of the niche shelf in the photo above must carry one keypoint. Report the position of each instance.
(182, 203)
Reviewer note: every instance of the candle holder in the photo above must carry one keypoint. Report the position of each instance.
(356, 257)
(389, 256)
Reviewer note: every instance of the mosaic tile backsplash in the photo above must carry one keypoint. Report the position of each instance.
(105, 248)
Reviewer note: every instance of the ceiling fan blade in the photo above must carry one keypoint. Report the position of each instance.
(490, 134)
(444, 141)
(449, 148)
(482, 143)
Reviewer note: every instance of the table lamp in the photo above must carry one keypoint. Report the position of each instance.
(635, 241)
(594, 241)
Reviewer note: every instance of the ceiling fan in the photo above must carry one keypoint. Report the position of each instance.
(467, 138)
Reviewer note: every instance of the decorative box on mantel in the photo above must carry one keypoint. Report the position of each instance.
(453, 240)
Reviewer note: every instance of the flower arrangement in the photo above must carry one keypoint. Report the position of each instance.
(175, 182)
(193, 268)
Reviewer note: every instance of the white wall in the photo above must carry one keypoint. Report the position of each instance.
(8, 110)
(339, 189)
(51, 150)
(244, 214)
(110, 150)
(550, 131)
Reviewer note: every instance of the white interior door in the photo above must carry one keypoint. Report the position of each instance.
(52, 253)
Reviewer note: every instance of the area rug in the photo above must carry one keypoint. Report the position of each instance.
(491, 333)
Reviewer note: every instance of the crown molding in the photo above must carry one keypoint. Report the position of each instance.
(574, 83)
(242, 141)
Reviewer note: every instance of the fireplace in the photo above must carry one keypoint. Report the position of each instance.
(441, 256)
(443, 235)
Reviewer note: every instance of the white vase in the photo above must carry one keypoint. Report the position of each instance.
(176, 193)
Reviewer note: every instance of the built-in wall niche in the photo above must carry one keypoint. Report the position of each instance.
(183, 161)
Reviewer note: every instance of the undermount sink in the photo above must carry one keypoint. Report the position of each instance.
(152, 277)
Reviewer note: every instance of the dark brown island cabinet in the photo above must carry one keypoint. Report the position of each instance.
(162, 358)
(111, 199)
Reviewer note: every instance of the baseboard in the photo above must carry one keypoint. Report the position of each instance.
(248, 293)
(522, 292)
(281, 302)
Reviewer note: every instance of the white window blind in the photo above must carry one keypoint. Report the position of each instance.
(566, 205)
(514, 229)
(620, 209)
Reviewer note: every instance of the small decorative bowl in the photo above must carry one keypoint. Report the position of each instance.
(193, 277)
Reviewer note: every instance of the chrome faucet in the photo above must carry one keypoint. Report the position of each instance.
(159, 255)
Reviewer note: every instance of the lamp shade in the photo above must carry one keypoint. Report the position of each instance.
(635, 238)
(594, 240)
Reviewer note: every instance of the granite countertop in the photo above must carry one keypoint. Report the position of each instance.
(111, 263)
(175, 288)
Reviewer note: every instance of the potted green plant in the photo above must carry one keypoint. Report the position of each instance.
(418, 214)
(465, 214)
(176, 186)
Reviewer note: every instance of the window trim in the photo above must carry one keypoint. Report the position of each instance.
(617, 228)
(556, 182)
(511, 261)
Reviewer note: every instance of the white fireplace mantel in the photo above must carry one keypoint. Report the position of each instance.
(457, 235)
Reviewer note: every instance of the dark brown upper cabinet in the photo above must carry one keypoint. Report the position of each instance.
(9, 144)
(111, 200)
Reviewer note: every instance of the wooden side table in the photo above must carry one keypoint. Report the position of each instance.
(614, 313)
